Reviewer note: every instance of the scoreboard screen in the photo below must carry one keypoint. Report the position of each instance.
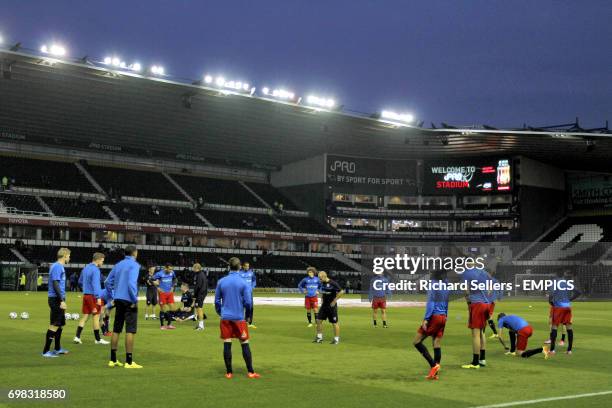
(468, 176)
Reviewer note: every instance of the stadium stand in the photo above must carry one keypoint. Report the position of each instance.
(20, 202)
(155, 214)
(62, 176)
(252, 221)
(6, 255)
(272, 196)
(217, 191)
(81, 208)
(118, 182)
(308, 225)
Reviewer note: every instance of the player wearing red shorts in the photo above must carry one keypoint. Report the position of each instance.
(519, 332)
(92, 302)
(232, 297)
(379, 290)
(479, 307)
(310, 286)
(433, 323)
(563, 329)
(165, 281)
(561, 301)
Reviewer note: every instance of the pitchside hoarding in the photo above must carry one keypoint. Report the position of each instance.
(464, 176)
(587, 191)
(371, 176)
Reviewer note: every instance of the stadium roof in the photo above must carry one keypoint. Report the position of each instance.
(82, 102)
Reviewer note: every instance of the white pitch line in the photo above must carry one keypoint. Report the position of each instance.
(537, 401)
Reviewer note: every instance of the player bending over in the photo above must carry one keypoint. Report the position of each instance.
(109, 303)
(561, 302)
(433, 324)
(165, 281)
(310, 286)
(378, 293)
(232, 297)
(57, 304)
(519, 332)
(92, 299)
(331, 292)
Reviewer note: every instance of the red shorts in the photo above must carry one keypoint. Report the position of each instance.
(166, 298)
(234, 329)
(435, 326)
(522, 336)
(311, 302)
(561, 315)
(89, 305)
(479, 314)
(379, 303)
(491, 309)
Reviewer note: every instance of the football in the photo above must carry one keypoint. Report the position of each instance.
(13, 315)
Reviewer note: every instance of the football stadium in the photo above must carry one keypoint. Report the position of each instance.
(217, 242)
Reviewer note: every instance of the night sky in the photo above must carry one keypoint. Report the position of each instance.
(502, 63)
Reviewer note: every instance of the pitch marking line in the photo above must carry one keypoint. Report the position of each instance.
(537, 401)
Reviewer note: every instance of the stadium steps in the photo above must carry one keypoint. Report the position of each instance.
(89, 177)
(111, 213)
(280, 222)
(347, 261)
(16, 252)
(204, 220)
(44, 205)
(540, 238)
(261, 200)
(178, 187)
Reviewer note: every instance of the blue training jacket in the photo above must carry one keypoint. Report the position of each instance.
(57, 273)
(437, 301)
(91, 280)
(310, 286)
(123, 280)
(249, 277)
(477, 276)
(512, 322)
(381, 282)
(232, 297)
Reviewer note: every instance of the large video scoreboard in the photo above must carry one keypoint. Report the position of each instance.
(466, 176)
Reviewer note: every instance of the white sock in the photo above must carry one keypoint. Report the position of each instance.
(337, 338)
(201, 323)
(319, 335)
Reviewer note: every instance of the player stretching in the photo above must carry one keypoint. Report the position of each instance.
(561, 302)
(479, 310)
(433, 324)
(109, 303)
(200, 290)
(165, 281)
(57, 304)
(331, 292)
(232, 297)
(92, 302)
(248, 275)
(310, 286)
(519, 332)
(123, 279)
(379, 290)
(151, 294)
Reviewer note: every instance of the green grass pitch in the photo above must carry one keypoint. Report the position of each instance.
(370, 368)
